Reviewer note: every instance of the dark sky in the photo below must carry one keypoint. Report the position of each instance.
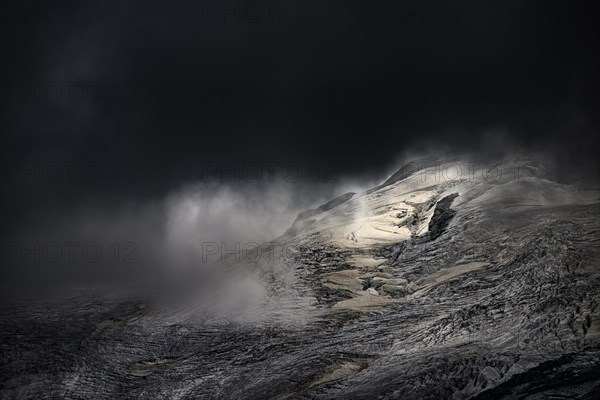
(158, 90)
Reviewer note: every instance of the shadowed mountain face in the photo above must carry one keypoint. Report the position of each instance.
(448, 281)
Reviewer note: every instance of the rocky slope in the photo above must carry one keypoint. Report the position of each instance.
(448, 281)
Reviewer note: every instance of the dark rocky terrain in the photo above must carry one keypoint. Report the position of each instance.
(426, 287)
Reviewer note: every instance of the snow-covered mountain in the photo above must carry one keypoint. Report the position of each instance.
(450, 280)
